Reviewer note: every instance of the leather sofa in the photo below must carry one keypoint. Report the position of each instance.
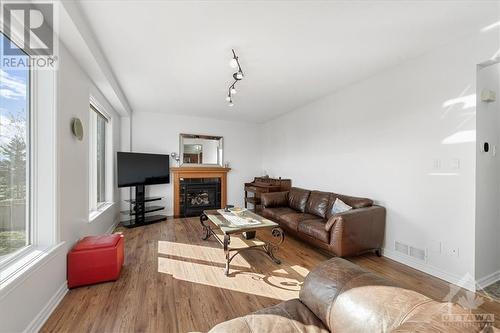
(339, 296)
(308, 215)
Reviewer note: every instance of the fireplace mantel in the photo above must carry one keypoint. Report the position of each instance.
(198, 172)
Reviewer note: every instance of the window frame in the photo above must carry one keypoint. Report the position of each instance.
(95, 207)
(30, 200)
(44, 233)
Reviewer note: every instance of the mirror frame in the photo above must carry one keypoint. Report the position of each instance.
(183, 136)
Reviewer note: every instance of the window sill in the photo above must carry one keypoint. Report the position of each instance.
(99, 211)
(16, 272)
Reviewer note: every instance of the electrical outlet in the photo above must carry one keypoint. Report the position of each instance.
(452, 251)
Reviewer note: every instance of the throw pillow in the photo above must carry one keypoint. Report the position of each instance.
(339, 207)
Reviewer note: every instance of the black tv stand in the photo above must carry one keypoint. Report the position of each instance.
(139, 210)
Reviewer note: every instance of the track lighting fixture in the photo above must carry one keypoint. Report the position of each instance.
(234, 63)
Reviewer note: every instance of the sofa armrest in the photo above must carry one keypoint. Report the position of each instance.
(274, 199)
(357, 230)
(288, 316)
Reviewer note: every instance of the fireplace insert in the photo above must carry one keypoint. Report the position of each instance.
(199, 194)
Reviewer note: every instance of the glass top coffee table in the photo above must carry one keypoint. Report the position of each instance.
(222, 225)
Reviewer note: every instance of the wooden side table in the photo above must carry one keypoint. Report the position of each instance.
(264, 185)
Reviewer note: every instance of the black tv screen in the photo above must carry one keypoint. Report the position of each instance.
(142, 169)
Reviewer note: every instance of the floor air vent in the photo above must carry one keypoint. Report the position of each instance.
(402, 248)
(411, 251)
(417, 253)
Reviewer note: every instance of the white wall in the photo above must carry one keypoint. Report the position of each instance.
(488, 179)
(30, 301)
(397, 138)
(159, 133)
(74, 91)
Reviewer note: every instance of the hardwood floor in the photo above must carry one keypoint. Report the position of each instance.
(172, 281)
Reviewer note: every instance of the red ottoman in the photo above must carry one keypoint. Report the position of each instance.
(95, 259)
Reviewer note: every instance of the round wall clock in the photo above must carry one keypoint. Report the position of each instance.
(77, 128)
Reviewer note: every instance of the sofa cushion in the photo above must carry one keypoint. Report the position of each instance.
(292, 220)
(274, 199)
(297, 198)
(315, 228)
(354, 202)
(318, 203)
(275, 213)
(290, 316)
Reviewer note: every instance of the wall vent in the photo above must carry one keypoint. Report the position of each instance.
(417, 253)
(402, 248)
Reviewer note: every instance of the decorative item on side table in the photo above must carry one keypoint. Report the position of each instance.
(221, 225)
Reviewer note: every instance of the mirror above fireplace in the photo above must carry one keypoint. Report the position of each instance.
(200, 150)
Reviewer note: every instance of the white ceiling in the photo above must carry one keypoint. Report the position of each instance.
(173, 56)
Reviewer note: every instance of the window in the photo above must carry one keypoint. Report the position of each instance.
(15, 145)
(98, 126)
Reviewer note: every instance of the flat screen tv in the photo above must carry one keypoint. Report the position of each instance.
(142, 169)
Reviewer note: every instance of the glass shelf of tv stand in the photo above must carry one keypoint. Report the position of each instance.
(148, 209)
(146, 199)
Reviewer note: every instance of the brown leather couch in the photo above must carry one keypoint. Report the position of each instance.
(339, 296)
(308, 215)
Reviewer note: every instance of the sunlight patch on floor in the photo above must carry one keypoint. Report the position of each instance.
(273, 285)
(302, 271)
(197, 252)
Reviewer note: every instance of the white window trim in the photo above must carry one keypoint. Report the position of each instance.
(42, 187)
(96, 209)
(20, 253)
(94, 214)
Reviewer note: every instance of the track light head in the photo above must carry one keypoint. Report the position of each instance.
(238, 75)
(233, 63)
(228, 98)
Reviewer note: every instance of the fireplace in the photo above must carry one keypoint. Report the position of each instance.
(199, 194)
(201, 175)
